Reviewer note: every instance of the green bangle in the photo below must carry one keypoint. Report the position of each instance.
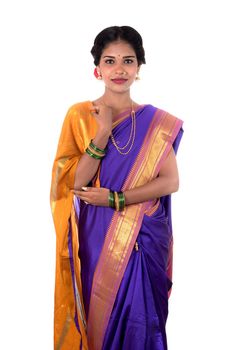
(95, 156)
(111, 200)
(121, 200)
(97, 149)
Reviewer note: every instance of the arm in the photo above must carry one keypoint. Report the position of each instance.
(88, 166)
(166, 183)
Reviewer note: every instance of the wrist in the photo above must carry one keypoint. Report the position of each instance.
(104, 132)
(101, 140)
(126, 198)
(116, 200)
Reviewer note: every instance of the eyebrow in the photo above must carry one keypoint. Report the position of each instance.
(123, 56)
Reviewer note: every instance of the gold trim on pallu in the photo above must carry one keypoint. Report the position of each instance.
(125, 226)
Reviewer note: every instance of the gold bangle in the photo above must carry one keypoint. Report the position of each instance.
(91, 154)
(116, 201)
(96, 153)
(96, 148)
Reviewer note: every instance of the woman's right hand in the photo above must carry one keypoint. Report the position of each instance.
(103, 116)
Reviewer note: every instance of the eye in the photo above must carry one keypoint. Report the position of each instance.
(109, 61)
(128, 61)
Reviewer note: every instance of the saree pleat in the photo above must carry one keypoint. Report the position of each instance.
(129, 292)
(140, 311)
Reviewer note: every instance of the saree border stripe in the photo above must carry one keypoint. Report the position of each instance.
(125, 115)
(73, 274)
(64, 332)
(175, 127)
(153, 209)
(154, 141)
(78, 286)
(125, 226)
(80, 311)
(118, 250)
(142, 158)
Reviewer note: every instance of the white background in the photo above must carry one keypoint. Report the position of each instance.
(45, 67)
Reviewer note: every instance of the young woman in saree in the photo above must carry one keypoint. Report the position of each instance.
(113, 175)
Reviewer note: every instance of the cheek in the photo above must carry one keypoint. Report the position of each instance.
(106, 68)
(133, 73)
(107, 72)
(132, 70)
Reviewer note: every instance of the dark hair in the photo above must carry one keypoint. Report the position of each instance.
(115, 33)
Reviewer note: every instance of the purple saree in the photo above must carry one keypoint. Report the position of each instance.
(126, 286)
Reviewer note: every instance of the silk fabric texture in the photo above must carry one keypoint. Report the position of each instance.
(108, 295)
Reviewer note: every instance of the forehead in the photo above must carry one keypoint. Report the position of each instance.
(118, 48)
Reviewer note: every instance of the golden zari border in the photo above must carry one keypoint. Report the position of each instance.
(125, 226)
(153, 209)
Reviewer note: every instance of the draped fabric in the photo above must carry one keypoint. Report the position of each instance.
(110, 292)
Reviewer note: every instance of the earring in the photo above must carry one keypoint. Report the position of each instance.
(137, 77)
(97, 74)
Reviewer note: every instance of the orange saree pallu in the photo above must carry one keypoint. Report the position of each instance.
(113, 269)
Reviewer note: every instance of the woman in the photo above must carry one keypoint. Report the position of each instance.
(113, 175)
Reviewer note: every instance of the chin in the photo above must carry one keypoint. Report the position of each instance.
(118, 88)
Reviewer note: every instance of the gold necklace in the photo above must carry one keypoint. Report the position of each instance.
(131, 137)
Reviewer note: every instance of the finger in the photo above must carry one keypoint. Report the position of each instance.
(86, 189)
(90, 189)
(76, 192)
(95, 110)
(95, 115)
(85, 197)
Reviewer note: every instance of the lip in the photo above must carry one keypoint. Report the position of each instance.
(119, 81)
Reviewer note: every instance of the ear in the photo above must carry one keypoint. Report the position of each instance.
(138, 69)
(97, 73)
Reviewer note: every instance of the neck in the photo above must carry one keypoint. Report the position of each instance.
(118, 102)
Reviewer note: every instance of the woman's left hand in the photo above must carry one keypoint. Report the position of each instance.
(94, 195)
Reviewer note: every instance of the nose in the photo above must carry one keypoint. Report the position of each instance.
(120, 70)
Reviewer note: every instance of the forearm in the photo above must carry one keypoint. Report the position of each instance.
(87, 166)
(161, 186)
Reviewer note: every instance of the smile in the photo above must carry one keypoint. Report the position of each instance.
(119, 81)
